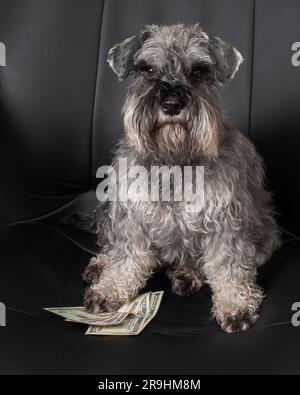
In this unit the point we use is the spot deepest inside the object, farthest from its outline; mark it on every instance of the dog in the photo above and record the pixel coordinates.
(172, 117)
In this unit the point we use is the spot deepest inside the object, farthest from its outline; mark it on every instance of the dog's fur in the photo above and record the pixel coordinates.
(235, 232)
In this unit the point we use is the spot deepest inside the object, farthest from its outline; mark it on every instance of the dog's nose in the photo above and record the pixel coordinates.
(172, 105)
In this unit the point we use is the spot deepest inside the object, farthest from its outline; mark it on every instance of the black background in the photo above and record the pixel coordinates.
(60, 116)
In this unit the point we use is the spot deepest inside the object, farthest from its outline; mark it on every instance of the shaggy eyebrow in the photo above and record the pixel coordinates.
(201, 57)
(201, 64)
(141, 63)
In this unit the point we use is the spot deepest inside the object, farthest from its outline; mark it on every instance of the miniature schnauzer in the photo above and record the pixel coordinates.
(172, 117)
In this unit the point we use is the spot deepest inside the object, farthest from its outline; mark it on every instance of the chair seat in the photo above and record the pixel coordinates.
(41, 266)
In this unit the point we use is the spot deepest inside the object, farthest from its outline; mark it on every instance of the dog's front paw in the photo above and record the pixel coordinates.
(238, 322)
(185, 283)
(92, 272)
(97, 302)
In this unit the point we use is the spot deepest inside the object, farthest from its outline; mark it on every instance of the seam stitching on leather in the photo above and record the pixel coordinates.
(252, 70)
(95, 94)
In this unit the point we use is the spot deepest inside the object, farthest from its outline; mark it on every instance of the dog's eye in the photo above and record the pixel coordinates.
(200, 71)
(146, 69)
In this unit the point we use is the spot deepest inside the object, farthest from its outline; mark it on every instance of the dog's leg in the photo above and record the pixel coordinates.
(123, 274)
(185, 280)
(93, 271)
(230, 269)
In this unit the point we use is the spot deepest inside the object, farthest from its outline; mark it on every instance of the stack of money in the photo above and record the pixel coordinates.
(130, 319)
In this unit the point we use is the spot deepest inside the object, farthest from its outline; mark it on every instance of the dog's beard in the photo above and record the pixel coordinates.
(194, 132)
(171, 138)
(171, 133)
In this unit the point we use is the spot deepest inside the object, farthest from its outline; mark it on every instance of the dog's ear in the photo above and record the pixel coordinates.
(120, 57)
(227, 59)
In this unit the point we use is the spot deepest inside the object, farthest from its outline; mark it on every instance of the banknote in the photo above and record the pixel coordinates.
(155, 302)
(80, 315)
(133, 324)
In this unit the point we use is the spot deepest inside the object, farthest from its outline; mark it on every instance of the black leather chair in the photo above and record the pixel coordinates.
(60, 116)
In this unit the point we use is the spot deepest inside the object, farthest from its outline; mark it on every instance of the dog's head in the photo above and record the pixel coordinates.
(171, 106)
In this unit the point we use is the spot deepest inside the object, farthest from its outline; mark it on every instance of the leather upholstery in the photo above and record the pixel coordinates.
(48, 89)
(60, 116)
(275, 119)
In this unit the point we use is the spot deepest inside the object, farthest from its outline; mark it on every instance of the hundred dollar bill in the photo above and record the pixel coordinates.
(80, 315)
(132, 325)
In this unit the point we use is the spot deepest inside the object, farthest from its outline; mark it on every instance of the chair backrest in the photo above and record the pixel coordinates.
(275, 110)
(62, 103)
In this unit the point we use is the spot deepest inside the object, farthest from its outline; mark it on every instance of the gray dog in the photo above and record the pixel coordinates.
(172, 117)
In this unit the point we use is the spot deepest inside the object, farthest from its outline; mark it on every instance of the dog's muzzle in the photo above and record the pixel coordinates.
(172, 98)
